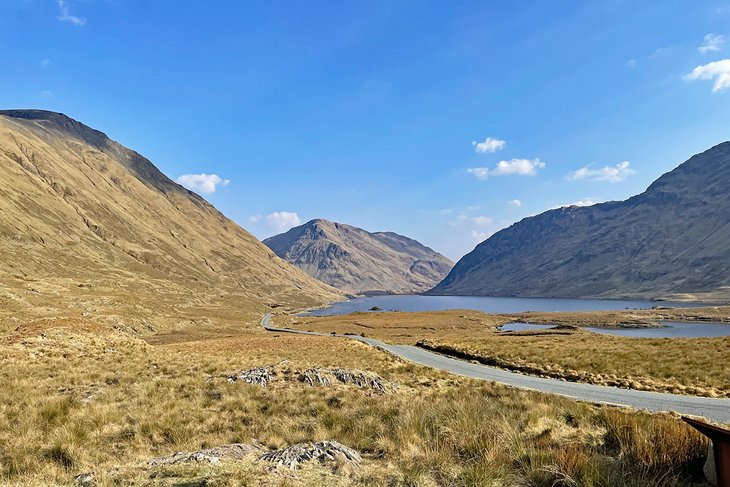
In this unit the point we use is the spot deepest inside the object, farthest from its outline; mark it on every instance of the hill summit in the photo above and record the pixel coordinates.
(352, 259)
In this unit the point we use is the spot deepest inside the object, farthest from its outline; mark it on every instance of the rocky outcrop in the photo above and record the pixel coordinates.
(292, 457)
(313, 377)
(323, 452)
(232, 452)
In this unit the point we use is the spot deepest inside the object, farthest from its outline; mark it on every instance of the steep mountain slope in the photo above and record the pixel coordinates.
(672, 239)
(355, 260)
(78, 210)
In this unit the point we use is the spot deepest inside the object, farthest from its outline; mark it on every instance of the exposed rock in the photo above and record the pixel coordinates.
(323, 452)
(314, 377)
(358, 261)
(85, 480)
(673, 239)
(234, 451)
(261, 376)
(361, 379)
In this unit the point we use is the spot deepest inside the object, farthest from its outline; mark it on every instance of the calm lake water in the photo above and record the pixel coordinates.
(488, 304)
(524, 327)
(671, 329)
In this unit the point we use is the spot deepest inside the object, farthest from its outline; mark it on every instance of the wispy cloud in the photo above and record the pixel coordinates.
(516, 203)
(517, 167)
(65, 16)
(659, 53)
(583, 202)
(719, 71)
(46, 94)
(711, 43)
(278, 221)
(45, 62)
(489, 145)
(631, 63)
(202, 183)
(611, 174)
(479, 227)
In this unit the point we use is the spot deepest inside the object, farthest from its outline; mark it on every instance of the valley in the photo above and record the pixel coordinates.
(130, 332)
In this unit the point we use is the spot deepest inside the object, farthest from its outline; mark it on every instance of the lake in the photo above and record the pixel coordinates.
(671, 329)
(486, 303)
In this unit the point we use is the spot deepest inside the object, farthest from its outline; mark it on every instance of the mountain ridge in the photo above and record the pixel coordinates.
(78, 208)
(358, 261)
(668, 241)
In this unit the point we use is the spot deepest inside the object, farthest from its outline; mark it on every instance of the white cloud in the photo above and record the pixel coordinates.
(516, 203)
(65, 16)
(489, 145)
(583, 202)
(281, 221)
(518, 167)
(719, 71)
(480, 236)
(202, 183)
(479, 227)
(711, 42)
(611, 174)
(631, 63)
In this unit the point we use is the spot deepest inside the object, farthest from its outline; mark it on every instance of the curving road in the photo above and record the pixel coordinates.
(710, 408)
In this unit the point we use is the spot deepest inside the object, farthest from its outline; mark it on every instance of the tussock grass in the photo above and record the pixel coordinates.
(104, 402)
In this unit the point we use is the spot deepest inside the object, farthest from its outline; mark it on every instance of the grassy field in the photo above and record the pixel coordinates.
(79, 396)
(684, 366)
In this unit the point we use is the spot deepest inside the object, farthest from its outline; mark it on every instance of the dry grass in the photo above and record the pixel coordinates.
(80, 397)
(685, 366)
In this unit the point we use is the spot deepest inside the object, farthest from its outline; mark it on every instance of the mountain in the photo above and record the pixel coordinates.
(352, 259)
(85, 220)
(673, 239)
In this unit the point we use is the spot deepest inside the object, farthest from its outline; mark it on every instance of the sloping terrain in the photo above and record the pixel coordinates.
(88, 227)
(354, 260)
(671, 240)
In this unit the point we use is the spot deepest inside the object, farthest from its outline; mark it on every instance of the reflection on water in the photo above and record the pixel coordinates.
(485, 303)
(672, 329)
(523, 327)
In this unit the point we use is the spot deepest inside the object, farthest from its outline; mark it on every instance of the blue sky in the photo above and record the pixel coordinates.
(443, 121)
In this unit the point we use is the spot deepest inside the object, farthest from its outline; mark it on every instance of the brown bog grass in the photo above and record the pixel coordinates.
(683, 366)
(78, 397)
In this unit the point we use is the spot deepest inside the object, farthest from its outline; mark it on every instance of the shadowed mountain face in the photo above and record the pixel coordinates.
(354, 260)
(673, 239)
(79, 210)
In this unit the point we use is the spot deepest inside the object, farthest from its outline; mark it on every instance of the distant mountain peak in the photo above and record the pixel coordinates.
(355, 260)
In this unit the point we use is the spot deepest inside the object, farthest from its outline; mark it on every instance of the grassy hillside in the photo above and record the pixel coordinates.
(88, 227)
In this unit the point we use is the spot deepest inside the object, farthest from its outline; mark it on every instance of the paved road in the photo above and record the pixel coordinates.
(712, 409)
